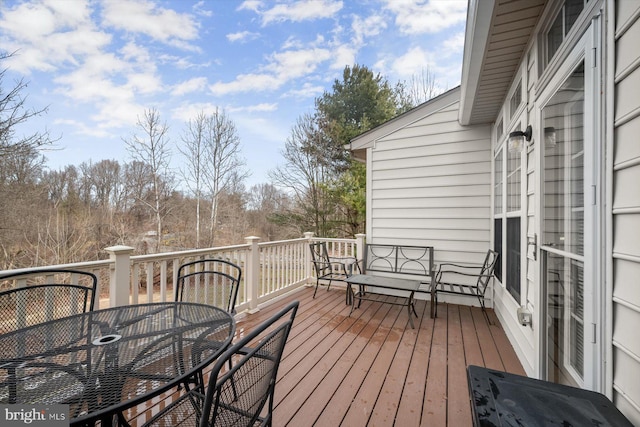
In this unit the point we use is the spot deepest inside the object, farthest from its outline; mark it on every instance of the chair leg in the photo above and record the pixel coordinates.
(434, 304)
(316, 289)
(484, 310)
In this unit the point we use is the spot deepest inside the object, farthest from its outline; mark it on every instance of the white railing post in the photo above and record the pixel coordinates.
(360, 238)
(119, 282)
(309, 236)
(252, 277)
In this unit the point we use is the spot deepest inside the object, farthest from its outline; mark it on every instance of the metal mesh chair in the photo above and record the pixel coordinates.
(209, 281)
(240, 393)
(330, 268)
(38, 296)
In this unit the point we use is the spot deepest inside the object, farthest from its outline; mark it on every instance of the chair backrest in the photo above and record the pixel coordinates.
(209, 281)
(320, 258)
(487, 270)
(238, 396)
(38, 296)
(399, 259)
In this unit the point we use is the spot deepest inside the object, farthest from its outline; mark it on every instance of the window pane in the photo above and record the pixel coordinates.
(516, 99)
(513, 257)
(498, 183)
(554, 37)
(497, 246)
(572, 9)
(514, 190)
(564, 167)
(565, 311)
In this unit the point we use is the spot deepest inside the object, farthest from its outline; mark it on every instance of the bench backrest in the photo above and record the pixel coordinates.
(399, 259)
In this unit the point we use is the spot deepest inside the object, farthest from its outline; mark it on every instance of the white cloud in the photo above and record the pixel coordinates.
(48, 35)
(199, 9)
(190, 110)
(427, 16)
(308, 90)
(282, 67)
(455, 43)
(342, 56)
(305, 10)
(412, 62)
(296, 63)
(253, 5)
(195, 84)
(247, 83)
(141, 16)
(82, 128)
(368, 27)
(242, 36)
(264, 107)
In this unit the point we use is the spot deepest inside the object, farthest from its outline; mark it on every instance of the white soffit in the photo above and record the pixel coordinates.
(498, 31)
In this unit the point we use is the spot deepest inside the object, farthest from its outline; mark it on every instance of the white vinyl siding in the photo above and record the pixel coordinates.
(431, 185)
(626, 212)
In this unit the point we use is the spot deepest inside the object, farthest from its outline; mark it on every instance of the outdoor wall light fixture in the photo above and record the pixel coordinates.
(550, 137)
(517, 139)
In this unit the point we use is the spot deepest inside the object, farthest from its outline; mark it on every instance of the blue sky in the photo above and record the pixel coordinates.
(97, 65)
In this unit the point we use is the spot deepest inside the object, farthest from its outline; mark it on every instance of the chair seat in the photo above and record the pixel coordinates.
(456, 288)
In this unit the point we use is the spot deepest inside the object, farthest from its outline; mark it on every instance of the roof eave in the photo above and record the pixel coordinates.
(475, 46)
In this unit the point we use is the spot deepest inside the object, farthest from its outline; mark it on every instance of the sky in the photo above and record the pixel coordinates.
(97, 65)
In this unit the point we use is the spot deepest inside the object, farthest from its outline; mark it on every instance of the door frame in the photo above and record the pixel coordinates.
(587, 49)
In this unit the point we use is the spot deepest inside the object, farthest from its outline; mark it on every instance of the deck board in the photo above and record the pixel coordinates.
(370, 368)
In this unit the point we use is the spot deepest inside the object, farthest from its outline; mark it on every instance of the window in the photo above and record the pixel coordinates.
(516, 100)
(513, 257)
(500, 130)
(497, 246)
(498, 211)
(514, 191)
(562, 24)
(507, 209)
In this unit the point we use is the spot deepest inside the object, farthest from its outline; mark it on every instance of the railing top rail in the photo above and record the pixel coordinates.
(190, 252)
(72, 266)
(282, 242)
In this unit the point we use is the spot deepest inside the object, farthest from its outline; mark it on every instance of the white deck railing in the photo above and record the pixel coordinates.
(269, 270)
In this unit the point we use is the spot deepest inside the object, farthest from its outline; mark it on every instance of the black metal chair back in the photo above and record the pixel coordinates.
(320, 258)
(238, 397)
(38, 296)
(241, 383)
(487, 270)
(209, 281)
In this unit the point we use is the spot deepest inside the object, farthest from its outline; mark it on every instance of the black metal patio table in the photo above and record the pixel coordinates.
(103, 362)
(384, 282)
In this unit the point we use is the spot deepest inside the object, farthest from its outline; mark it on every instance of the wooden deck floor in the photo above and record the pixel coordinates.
(372, 369)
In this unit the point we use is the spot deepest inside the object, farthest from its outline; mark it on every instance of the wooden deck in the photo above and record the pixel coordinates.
(372, 369)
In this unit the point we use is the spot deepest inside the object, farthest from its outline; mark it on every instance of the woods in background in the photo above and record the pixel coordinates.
(72, 214)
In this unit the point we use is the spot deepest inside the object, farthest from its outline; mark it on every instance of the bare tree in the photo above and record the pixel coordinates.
(305, 176)
(13, 112)
(153, 150)
(195, 152)
(419, 89)
(212, 149)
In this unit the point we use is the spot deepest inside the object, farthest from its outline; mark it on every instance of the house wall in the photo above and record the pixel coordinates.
(430, 184)
(626, 211)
